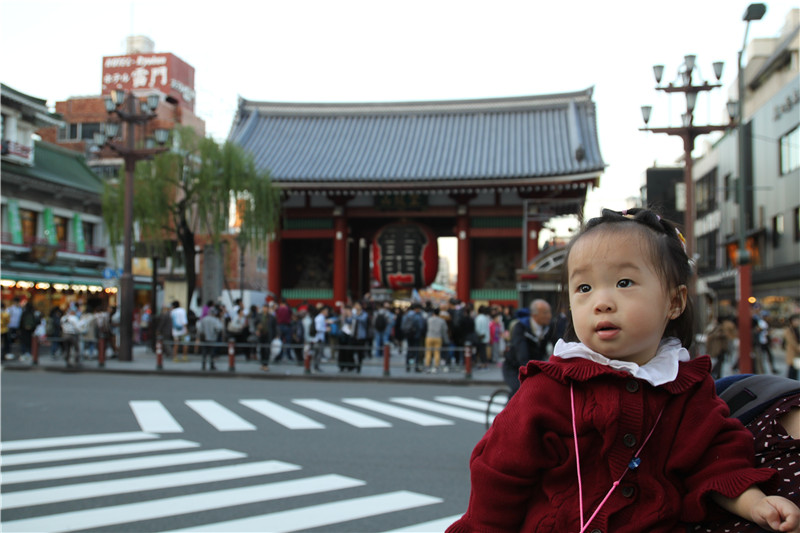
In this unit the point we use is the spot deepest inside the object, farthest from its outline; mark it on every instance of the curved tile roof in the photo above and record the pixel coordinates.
(498, 139)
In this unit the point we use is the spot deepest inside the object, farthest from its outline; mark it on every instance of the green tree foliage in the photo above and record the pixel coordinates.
(191, 191)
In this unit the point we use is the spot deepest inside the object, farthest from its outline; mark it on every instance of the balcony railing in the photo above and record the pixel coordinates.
(66, 247)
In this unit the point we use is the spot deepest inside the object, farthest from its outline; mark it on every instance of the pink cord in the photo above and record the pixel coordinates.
(585, 526)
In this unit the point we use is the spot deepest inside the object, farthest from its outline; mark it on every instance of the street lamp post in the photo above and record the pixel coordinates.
(743, 279)
(124, 106)
(688, 131)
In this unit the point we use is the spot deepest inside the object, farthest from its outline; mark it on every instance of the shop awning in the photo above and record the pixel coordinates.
(47, 277)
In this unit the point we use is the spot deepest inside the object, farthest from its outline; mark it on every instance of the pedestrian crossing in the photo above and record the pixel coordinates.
(309, 413)
(67, 498)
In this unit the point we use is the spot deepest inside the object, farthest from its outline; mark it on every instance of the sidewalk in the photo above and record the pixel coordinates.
(145, 363)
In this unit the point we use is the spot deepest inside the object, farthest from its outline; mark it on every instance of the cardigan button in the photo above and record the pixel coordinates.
(629, 440)
(597, 531)
(632, 385)
(628, 491)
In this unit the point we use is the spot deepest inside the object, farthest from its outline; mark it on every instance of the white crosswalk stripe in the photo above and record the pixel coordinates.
(95, 451)
(457, 412)
(134, 464)
(79, 506)
(153, 417)
(220, 417)
(281, 415)
(408, 415)
(309, 413)
(349, 416)
(324, 514)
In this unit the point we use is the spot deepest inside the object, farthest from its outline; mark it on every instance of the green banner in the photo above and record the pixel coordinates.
(49, 226)
(77, 231)
(14, 222)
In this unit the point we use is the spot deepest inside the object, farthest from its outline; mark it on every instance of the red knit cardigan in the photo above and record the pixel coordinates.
(524, 475)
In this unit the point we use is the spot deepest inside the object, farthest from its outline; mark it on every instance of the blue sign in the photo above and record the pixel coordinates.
(110, 273)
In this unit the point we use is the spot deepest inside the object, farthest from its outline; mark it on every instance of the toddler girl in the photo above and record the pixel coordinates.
(620, 431)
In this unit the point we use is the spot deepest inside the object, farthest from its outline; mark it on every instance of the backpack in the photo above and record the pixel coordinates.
(380, 322)
(411, 326)
(312, 328)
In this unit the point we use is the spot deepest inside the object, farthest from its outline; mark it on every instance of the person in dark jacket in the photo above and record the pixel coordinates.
(531, 339)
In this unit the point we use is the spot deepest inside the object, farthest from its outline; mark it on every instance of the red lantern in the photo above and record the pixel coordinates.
(405, 255)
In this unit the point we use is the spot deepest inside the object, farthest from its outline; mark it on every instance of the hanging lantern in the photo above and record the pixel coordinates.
(405, 256)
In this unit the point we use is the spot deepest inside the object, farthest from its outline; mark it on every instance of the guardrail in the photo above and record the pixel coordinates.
(231, 348)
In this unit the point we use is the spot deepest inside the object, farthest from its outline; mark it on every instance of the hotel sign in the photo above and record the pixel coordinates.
(164, 72)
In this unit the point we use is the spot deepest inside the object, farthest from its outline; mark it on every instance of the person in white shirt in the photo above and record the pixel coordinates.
(180, 331)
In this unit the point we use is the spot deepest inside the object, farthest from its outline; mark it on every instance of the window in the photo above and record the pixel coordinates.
(60, 224)
(777, 229)
(88, 130)
(790, 151)
(706, 193)
(28, 220)
(728, 184)
(796, 218)
(707, 252)
(88, 234)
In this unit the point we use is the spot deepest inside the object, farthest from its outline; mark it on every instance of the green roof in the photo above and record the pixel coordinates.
(59, 166)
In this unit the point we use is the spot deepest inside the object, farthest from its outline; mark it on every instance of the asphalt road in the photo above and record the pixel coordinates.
(234, 454)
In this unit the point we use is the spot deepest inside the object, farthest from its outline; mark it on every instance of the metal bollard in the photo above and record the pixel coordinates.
(101, 352)
(35, 350)
(306, 359)
(386, 354)
(468, 362)
(231, 357)
(159, 355)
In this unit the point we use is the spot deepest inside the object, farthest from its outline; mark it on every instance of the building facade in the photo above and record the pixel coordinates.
(771, 173)
(140, 71)
(53, 238)
(487, 172)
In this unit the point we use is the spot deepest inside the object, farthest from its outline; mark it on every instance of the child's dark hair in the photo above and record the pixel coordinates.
(668, 256)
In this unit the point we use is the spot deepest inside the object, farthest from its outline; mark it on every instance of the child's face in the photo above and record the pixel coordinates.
(620, 307)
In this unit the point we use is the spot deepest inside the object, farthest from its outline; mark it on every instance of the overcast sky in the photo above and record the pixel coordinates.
(353, 50)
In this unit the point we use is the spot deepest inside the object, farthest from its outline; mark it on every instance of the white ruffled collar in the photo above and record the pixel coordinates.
(661, 369)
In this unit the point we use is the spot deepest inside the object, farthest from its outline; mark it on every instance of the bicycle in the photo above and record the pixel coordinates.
(496, 402)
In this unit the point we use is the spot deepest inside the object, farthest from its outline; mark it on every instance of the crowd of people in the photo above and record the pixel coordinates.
(429, 338)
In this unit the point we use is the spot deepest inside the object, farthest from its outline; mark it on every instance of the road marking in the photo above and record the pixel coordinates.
(457, 412)
(478, 405)
(324, 514)
(94, 451)
(153, 417)
(220, 417)
(427, 527)
(54, 442)
(178, 505)
(281, 415)
(398, 412)
(118, 465)
(354, 418)
(79, 491)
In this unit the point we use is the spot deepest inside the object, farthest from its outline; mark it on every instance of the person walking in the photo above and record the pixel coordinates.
(266, 329)
(209, 329)
(413, 327)
(482, 335)
(531, 340)
(71, 330)
(382, 325)
(27, 323)
(317, 335)
(435, 337)
(180, 331)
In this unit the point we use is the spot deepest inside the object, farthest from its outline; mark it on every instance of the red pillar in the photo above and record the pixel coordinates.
(533, 227)
(340, 260)
(274, 267)
(464, 271)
